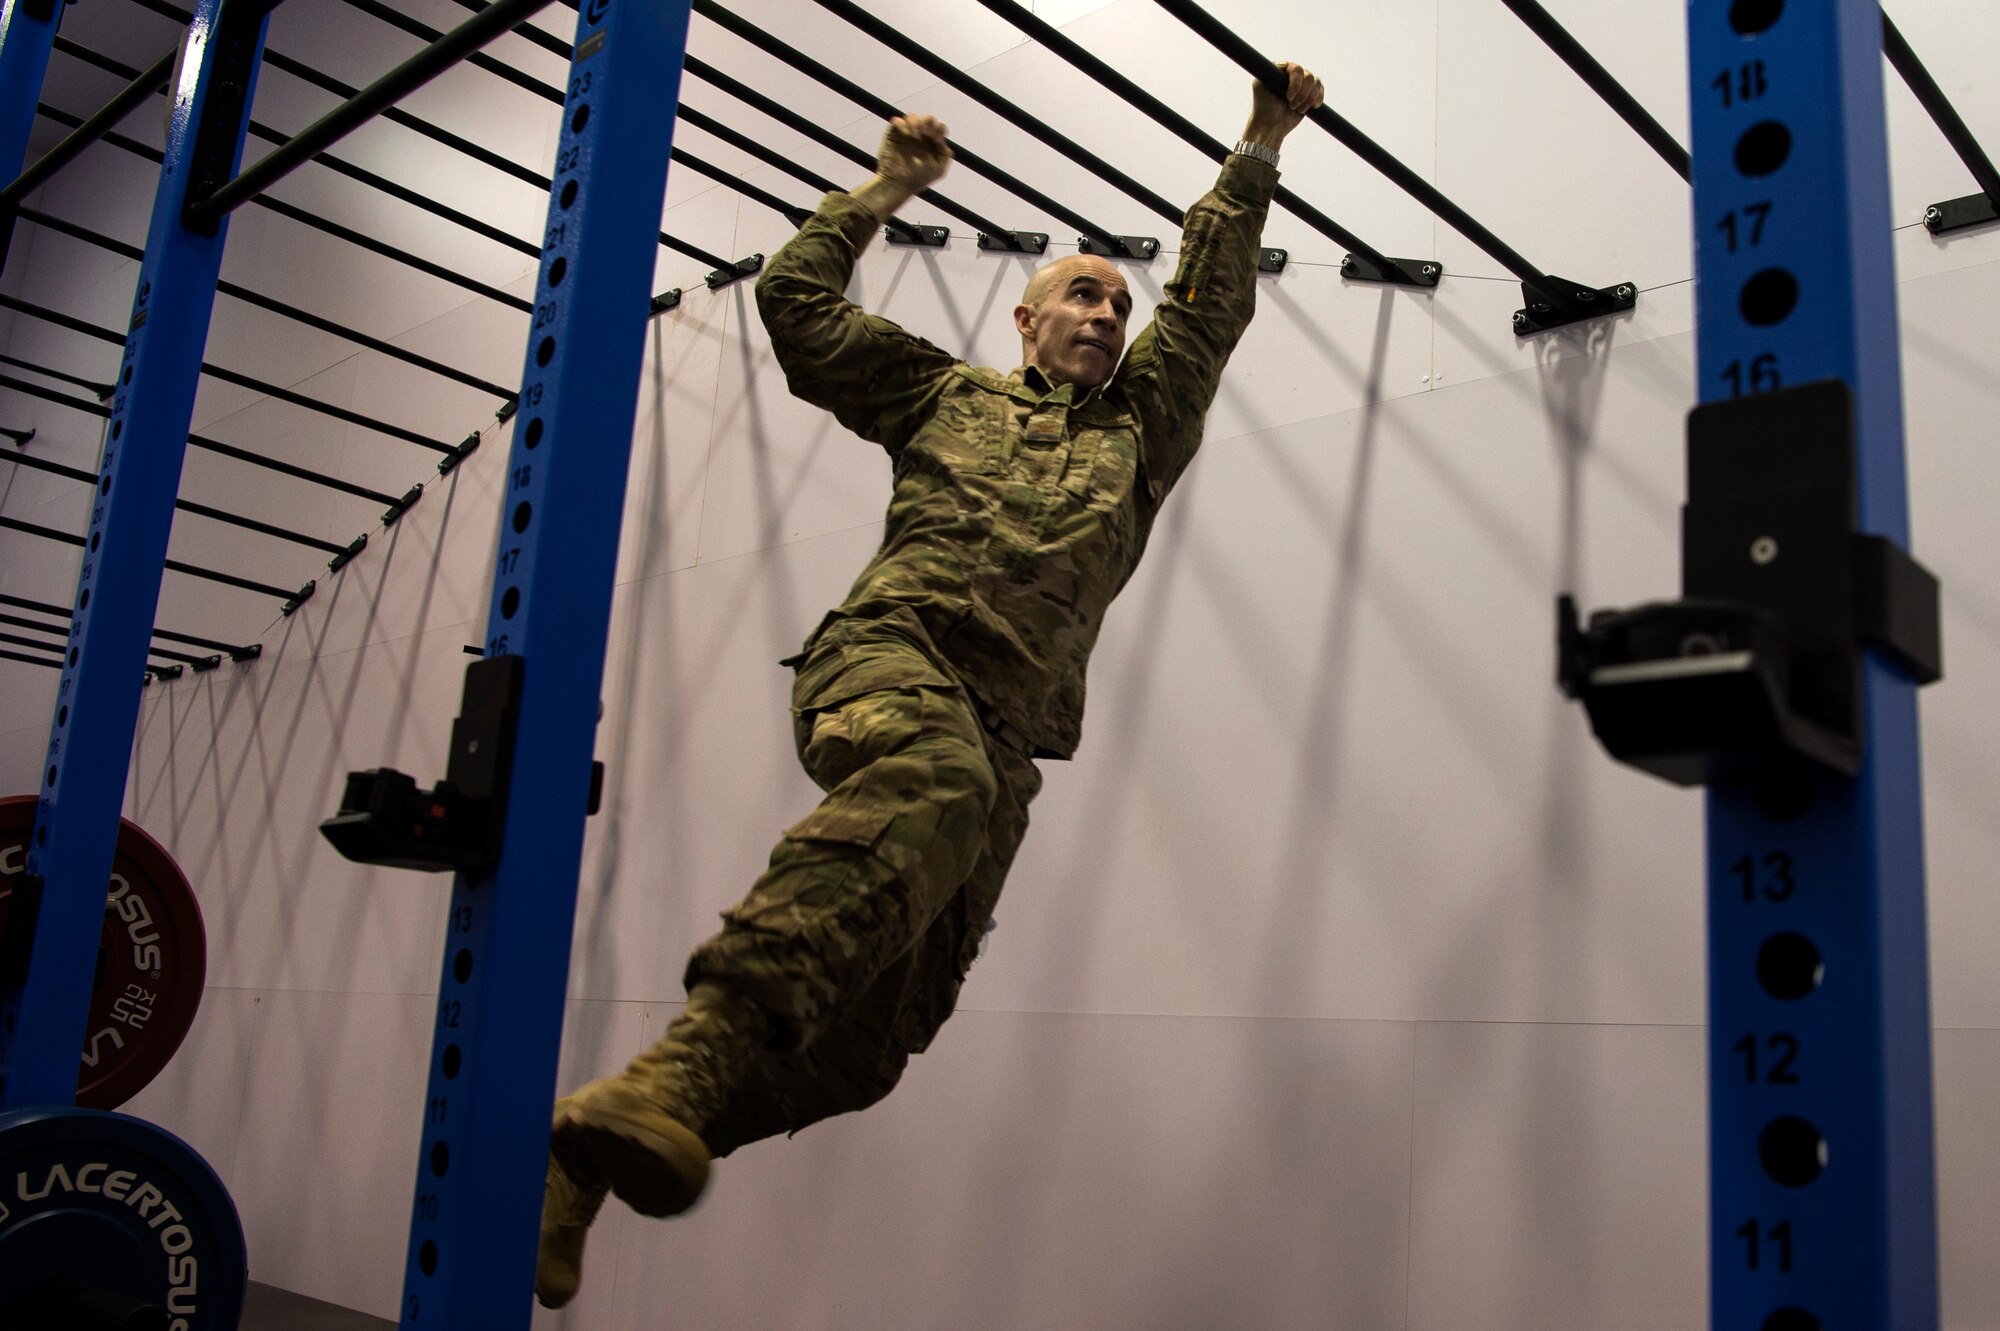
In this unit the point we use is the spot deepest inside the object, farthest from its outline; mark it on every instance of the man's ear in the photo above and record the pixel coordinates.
(1024, 320)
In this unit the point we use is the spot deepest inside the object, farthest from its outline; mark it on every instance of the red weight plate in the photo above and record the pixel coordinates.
(149, 969)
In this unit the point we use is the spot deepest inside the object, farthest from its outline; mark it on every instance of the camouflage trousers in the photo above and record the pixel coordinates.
(855, 940)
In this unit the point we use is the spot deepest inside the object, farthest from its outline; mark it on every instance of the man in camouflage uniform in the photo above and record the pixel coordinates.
(1022, 504)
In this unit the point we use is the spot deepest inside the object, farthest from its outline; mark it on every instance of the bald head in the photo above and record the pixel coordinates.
(1072, 320)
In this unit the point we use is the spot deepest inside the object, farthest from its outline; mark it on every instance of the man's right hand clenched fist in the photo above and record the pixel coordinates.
(914, 152)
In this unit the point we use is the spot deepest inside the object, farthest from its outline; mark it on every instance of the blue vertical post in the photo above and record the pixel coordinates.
(97, 699)
(506, 961)
(27, 35)
(1821, 1176)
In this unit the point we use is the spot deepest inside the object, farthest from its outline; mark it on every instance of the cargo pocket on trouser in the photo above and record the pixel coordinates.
(857, 881)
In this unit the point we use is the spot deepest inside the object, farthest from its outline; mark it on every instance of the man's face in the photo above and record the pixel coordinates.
(1072, 320)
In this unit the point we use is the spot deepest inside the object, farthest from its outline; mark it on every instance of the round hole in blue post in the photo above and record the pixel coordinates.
(117, 428)
(440, 1158)
(568, 195)
(546, 352)
(1789, 967)
(128, 374)
(534, 434)
(461, 965)
(73, 654)
(452, 1059)
(1750, 17)
(523, 514)
(427, 1257)
(580, 119)
(104, 484)
(558, 271)
(62, 715)
(1791, 1319)
(96, 539)
(52, 776)
(1769, 298)
(1792, 1150)
(510, 602)
(83, 602)
(1764, 147)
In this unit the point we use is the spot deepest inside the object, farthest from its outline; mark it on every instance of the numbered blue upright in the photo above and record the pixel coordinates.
(506, 962)
(1821, 1183)
(97, 698)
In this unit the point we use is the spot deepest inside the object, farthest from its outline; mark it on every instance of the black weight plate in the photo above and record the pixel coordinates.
(117, 1205)
(150, 967)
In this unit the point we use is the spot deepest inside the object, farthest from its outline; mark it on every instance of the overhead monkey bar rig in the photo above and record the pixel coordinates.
(1549, 301)
(1785, 681)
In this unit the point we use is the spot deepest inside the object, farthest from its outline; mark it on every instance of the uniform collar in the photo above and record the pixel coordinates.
(1065, 394)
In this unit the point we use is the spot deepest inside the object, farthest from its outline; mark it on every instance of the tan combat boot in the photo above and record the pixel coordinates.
(568, 1207)
(639, 1132)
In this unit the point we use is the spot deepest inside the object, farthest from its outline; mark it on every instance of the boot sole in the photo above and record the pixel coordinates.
(657, 1174)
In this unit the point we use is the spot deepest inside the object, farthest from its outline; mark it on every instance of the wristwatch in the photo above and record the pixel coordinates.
(1258, 151)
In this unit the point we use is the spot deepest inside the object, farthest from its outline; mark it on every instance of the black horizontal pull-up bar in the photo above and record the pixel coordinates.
(724, 270)
(178, 566)
(303, 217)
(1543, 25)
(855, 93)
(336, 124)
(790, 211)
(1050, 36)
(67, 228)
(784, 115)
(103, 390)
(241, 380)
(792, 120)
(240, 652)
(917, 54)
(142, 86)
(209, 445)
(1959, 212)
(1569, 298)
(770, 157)
(184, 505)
(395, 115)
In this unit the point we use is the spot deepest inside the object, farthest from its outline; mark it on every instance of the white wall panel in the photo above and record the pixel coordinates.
(1004, 1185)
(1556, 1178)
(332, 1118)
(1968, 1082)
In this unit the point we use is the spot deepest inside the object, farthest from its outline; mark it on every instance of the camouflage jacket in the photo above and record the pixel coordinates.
(1018, 511)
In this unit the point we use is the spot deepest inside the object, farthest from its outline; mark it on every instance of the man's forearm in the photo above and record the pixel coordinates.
(882, 196)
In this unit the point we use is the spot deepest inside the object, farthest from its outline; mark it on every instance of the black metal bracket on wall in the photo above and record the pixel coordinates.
(1581, 303)
(1015, 242)
(1405, 272)
(736, 272)
(924, 237)
(1140, 248)
(1941, 219)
